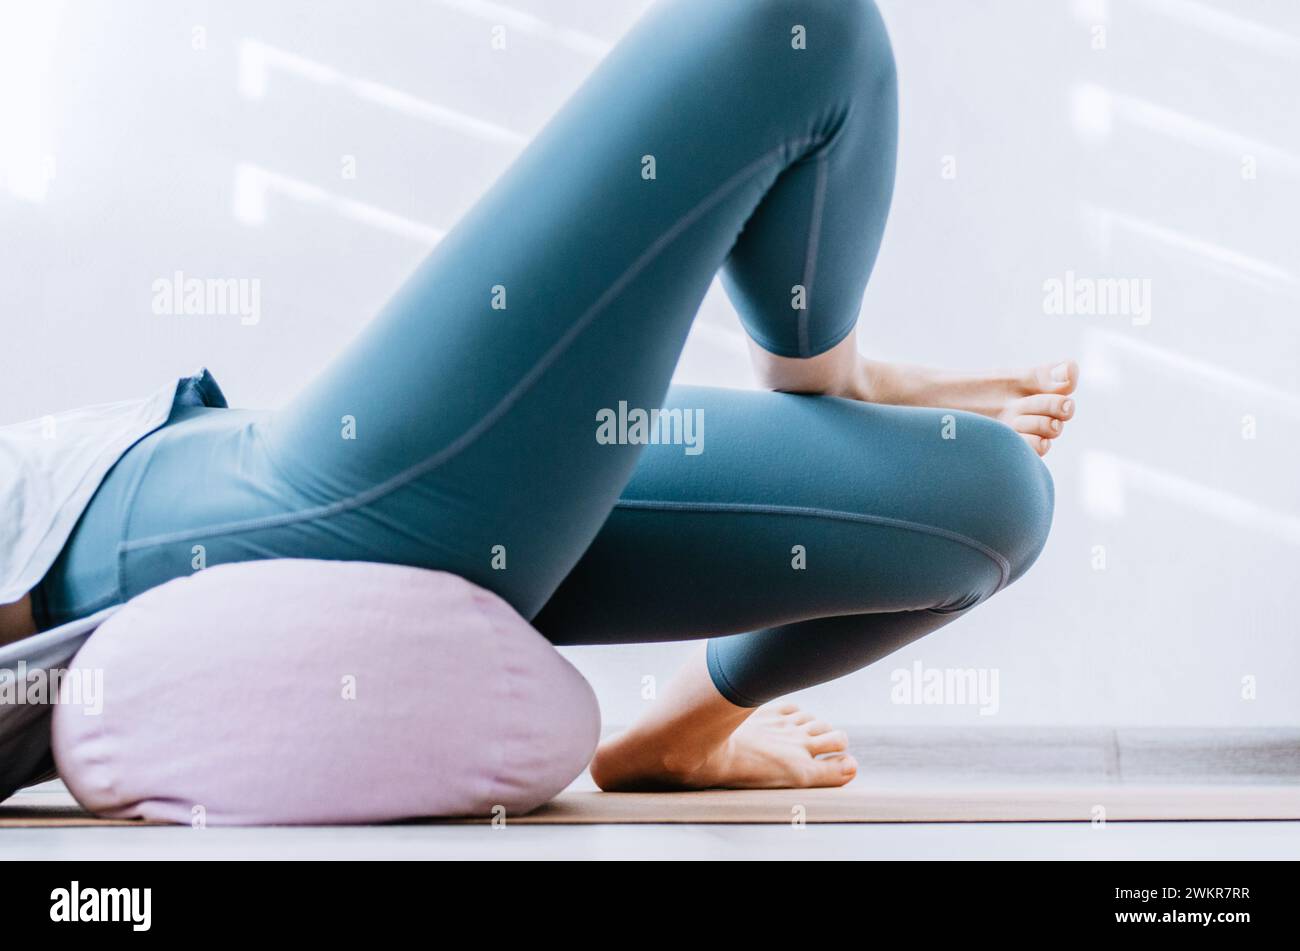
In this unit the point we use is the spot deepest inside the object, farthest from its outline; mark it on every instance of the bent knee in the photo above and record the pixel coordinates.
(1006, 490)
(855, 30)
(840, 46)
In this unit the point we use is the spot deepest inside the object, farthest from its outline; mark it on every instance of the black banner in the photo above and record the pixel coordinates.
(977, 901)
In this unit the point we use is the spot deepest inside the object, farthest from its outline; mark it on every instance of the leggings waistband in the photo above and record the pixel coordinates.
(40, 607)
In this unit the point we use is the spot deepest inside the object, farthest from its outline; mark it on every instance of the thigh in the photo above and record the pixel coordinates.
(806, 507)
(203, 491)
(462, 429)
(167, 509)
(569, 288)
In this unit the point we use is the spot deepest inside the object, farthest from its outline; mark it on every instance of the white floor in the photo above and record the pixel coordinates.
(1145, 840)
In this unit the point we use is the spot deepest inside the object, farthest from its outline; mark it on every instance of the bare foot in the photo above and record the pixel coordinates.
(1033, 402)
(777, 746)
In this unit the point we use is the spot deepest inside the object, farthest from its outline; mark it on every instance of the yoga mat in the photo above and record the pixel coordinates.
(856, 803)
(863, 803)
(941, 774)
(53, 810)
(54, 807)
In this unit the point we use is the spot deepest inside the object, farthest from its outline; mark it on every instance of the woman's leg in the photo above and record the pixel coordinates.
(755, 134)
(833, 532)
(460, 430)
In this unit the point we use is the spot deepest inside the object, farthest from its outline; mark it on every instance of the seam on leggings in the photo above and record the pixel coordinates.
(392, 483)
(128, 509)
(998, 559)
(810, 260)
(117, 596)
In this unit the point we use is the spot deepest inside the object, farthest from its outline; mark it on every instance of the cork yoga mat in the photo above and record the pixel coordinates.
(910, 774)
(857, 803)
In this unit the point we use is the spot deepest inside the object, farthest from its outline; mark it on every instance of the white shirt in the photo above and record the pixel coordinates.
(50, 468)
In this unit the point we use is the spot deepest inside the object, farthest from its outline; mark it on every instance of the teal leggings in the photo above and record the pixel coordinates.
(489, 421)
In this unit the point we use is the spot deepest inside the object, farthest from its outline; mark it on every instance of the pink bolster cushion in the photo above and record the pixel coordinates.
(294, 691)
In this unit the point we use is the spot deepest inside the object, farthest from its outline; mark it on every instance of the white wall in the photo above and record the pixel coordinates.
(126, 153)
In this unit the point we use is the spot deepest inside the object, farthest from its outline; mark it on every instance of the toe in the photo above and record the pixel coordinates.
(1042, 404)
(1037, 443)
(800, 717)
(1058, 377)
(836, 741)
(832, 771)
(817, 727)
(1046, 426)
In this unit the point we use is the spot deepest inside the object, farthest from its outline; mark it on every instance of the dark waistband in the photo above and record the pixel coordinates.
(40, 607)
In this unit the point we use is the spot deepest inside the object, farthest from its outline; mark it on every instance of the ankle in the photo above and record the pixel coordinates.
(628, 760)
(879, 382)
(684, 763)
